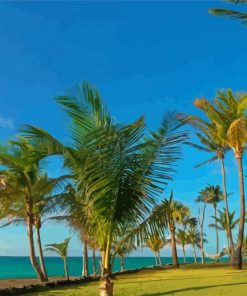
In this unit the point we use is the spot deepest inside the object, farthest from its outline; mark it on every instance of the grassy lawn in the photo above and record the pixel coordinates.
(208, 281)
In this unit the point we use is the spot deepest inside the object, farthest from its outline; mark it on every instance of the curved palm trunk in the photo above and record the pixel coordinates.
(66, 272)
(155, 257)
(33, 259)
(229, 231)
(194, 251)
(237, 260)
(106, 281)
(41, 256)
(174, 246)
(122, 263)
(85, 257)
(184, 254)
(159, 259)
(216, 231)
(94, 264)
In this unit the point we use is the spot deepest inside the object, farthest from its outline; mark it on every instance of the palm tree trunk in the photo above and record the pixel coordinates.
(122, 263)
(184, 254)
(237, 260)
(159, 259)
(85, 257)
(201, 223)
(33, 259)
(106, 282)
(41, 256)
(228, 246)
(194, 251)
(217, 231)
(174, 247)
(229, 231)
(156, 260)
(94, 263)
(65, 268)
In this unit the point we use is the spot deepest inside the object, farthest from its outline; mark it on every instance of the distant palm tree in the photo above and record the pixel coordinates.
(62, 250)
(194, 239)
(242, 16)
(212, 195)
(121, 250)
(222, 224)
(183, 239)
(155, 243)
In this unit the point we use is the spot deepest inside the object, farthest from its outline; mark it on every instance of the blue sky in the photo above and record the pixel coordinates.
(145, 58)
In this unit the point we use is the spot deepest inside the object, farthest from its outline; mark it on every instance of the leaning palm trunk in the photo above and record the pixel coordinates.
(65, 268)
(159, 259)
(41, 256)
(33, 259)
(122, 263)
(194, 251)
(229, 231)
(216, 231)
(174, 247)
(85, 257)
(184, 253)
(237, 260)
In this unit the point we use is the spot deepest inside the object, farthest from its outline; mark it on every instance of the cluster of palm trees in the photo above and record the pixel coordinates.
(116, 174)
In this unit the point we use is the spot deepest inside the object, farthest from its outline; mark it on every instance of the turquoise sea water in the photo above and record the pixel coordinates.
(20, 267)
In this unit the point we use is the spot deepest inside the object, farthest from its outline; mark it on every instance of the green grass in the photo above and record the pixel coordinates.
(186, 281)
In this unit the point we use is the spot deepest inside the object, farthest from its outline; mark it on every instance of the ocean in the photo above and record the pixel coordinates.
(20, 267)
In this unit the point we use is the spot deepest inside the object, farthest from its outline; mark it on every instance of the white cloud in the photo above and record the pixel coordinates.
(6, 122)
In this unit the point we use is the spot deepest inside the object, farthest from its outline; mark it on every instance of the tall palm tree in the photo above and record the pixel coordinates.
(21, 162)
(182, 238)
(62, 250)
(222, 224)
(155, 243)
(44, 201)
(211, 140)
(212, 195)
(240, 15)
(194, 239)
(176, 213)
(120, 170)
(229, 113)
(244, 250)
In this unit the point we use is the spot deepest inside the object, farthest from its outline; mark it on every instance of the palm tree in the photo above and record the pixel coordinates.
(211, 140)
(122, 249)
(44, 202)
(155, 243)
(222, 224)
(229, 114)
(21, 162)
(120, 170)
(212, 195)
(182, 238)
(242, 16)
(176, 213)
(194, 239)
(62, 250)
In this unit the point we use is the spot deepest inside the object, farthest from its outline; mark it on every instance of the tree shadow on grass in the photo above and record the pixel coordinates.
(173, 292)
